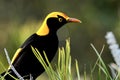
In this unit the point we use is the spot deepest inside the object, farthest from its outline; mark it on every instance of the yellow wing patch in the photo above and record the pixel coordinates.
(16, 55)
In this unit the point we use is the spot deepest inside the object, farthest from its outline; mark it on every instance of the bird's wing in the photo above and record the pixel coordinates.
(25, 44)
(16, 55)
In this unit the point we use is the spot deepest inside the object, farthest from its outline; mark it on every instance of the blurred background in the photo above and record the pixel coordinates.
(20, 18)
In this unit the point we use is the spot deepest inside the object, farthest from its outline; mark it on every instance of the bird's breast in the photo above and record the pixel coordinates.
(49, 44)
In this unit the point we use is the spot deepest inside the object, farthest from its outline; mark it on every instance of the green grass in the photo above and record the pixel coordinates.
(102, 66)
(63, 67)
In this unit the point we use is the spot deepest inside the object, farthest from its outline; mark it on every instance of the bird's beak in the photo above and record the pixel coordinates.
(74, 20)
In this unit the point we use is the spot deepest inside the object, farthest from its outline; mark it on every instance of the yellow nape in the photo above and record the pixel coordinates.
(44, 30)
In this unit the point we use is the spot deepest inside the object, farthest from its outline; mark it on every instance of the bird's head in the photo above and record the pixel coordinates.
(54, 21)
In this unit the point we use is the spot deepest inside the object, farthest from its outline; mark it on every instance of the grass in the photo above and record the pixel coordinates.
(63, 68)
(102, 66)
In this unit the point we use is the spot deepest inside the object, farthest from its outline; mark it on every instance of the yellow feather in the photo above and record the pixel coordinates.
(16, 54)
(44, 30)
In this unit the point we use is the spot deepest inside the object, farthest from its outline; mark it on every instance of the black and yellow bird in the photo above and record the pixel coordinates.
(45, 39)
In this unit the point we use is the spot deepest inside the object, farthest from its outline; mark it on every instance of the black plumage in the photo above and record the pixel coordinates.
(25, 62)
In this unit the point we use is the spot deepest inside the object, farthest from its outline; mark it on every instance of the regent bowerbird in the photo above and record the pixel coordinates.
(45, 39)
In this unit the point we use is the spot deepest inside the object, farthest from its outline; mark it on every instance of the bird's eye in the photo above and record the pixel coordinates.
(60, 19)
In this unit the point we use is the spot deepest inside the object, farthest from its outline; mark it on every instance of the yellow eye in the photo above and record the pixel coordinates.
(60, 19)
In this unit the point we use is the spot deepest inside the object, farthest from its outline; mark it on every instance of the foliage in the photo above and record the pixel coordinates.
(63, 67)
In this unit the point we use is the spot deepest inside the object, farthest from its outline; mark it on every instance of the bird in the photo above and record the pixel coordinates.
(45, 39)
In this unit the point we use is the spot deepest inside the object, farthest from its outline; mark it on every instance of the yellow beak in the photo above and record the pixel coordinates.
(74, 20)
